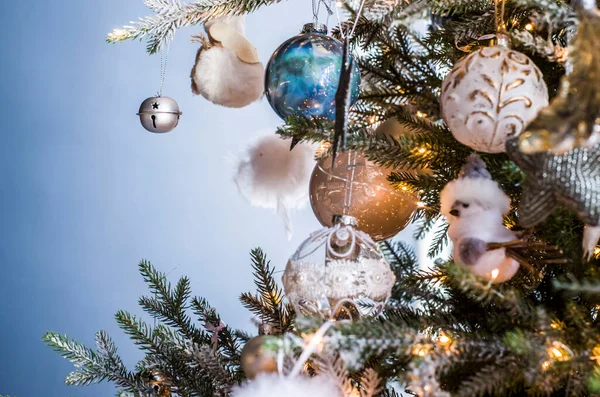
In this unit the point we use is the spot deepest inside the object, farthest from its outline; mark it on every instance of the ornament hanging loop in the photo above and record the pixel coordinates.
(164, 55)
(499, 8)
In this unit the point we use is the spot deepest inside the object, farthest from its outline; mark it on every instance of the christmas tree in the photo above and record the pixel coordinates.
(495, 111)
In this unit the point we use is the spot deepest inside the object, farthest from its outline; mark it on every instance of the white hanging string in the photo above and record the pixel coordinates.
(164, 55)
(360, 9)
(349, 185)
(358, 15)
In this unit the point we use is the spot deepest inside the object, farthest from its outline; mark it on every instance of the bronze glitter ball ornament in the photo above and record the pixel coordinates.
(159, 114)
(256, 359)
(358, 187)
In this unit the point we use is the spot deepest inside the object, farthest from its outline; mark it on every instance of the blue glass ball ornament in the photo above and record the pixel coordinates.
(303, 74)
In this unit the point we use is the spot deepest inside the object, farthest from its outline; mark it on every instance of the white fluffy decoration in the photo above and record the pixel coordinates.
(473, 206)
(269, 175)
(273, 385)
(491, 95)
(236, 22)
(222, 78)
(485, 191)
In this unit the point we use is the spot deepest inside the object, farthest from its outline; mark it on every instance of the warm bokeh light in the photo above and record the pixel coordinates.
(444, 340)
(495, 274)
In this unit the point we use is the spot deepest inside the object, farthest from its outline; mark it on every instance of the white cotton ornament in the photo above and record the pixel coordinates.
(491, 95)
(222, 78)
(228, 71)
(269, 175)
(272, 385)
(238, 23)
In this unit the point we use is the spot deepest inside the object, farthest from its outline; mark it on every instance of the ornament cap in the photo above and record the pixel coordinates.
(503, 40)
(314, 28)
(345, 220)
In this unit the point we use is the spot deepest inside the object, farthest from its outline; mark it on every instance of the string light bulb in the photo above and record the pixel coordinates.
(546, 365)
(444, 340)
(558, 351)
(529, 27)
(495, 274)
(596, 354)
(420, 350)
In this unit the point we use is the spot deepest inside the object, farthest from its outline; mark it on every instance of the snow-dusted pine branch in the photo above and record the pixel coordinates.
(170, 15)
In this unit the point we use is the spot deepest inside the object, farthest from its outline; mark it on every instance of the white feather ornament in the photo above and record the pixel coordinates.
(273, 385)
(269, 175)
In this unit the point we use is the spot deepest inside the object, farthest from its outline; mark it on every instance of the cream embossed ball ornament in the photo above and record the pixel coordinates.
(491, 95)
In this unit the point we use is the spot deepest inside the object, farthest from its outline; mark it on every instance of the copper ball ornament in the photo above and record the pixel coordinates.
(256, 359)
(358, 187)
(159, 114)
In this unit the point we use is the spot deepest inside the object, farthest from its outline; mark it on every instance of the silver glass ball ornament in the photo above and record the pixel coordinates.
(159, 114)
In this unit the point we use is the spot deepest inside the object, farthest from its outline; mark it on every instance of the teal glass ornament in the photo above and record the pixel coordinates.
(303, 74)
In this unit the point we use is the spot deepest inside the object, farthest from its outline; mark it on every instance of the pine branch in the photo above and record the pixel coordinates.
(440, 241)
(370, 383)
(268, 305)
(209, 362)
(94, 367)
(332, 366)
(170, 305)
(228, 341)
(170, 15)
(587, 287)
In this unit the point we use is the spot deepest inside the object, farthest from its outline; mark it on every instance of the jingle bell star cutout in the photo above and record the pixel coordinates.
(571, 179)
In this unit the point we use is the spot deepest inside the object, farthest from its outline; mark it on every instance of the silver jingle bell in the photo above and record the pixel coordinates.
(159, 114)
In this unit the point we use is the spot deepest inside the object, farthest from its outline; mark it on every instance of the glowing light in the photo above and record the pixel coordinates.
(555, 325)
(546, 365)
(556, 353)
(529, 26)
(495, 273)
(404, 188)
(444, 339)
(420, 350)
(313, 339)
(322, 149)
(339, 4)
(559, 351)
(420, 204)
(596, 354)
(421, 114)
(422, 150)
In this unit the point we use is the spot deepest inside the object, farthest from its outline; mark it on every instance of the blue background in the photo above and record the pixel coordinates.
(86, 193)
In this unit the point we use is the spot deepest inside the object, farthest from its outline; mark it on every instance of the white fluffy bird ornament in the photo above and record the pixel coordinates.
(228, 71)
(474, 205)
